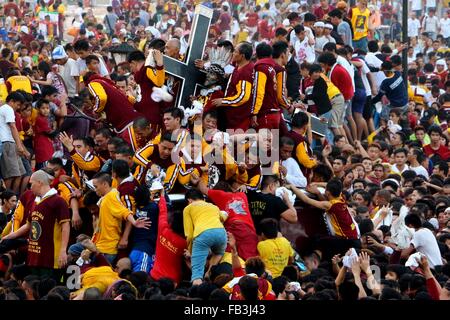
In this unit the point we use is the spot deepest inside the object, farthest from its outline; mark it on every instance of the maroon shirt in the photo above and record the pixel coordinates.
(237, 115)
(45, 233)
(151, 109)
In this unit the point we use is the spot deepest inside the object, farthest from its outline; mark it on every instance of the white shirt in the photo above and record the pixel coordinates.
(397, 170)
(425, 242)
(6, 116)
(430, 24)
(67, 73)
(103, 70)
(304, 51)
(445, 27)
(431, 3)
(364, 72)
(416, 5)
(294, 173)
(373, 61)
(387, 221)
(420, 170)
(413, 27)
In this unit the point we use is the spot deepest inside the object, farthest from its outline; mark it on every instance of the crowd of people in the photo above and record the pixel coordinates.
(309, 166)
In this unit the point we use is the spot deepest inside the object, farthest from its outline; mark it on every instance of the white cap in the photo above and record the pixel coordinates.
(441, 62)
(115, 41)
(24, 29)
(123, 31)
(329, 26)
(155, 32)
(286, 23)
(319, 24)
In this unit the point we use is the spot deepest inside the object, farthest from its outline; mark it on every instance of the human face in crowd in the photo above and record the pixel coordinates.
(411, 200)
(35, 185)
(122, 86)
(338, 166)
(394, 118)
(55, 168)
(446, 191)
(80, 147)
(112, 151)
(340, 143)
(194, 148)
(165, 149)
(125, 157)
(143, 134)
(82, 53)
(94, 66)
(435, 138)
(396, 140)
(374, 153)
(301, 35)
(420, 135)
(101, 142)
(170, 123)
(442, 219)
(286, 151)
(237, 57)
(367, 164)
(360, 171)
(172, 49)
(16, 105)
(315, 76)
(11, 202)
(44, 110)
(209, 123)
(348, 179)
(101, 188)
(358, 198)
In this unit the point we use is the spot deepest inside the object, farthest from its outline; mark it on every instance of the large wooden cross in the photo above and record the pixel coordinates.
(191, 77)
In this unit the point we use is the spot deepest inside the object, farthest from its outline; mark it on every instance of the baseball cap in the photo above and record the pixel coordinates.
(319, 24)
(59, 53)
(24, 29)
(328, 26)
(428, 114)
(441, 62)
(155, 32)
(115, 41)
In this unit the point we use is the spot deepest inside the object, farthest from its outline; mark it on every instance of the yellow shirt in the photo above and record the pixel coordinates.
(360, 23)
(241, 36)
(200, 216)
(112, 212)
(275, 253)
(332, 90)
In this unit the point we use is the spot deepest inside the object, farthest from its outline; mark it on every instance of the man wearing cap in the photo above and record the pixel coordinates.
(25, 36)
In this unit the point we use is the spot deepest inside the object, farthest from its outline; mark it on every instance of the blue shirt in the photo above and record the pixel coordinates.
(395, 90)
(145, 239)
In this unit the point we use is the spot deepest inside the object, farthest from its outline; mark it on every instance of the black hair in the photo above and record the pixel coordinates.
(81, 45)
(157, 44)
(299, 120)
(175, 112)
(116, 142)
(334, 187)
(41, 102)
(194, 194)
(348, 291)
(442, 166)
(249, 288)
(168, 137)
(212, 113)
(314, 68)
(390, 294)
(125, 150)
(435, 129)
(335, 13)
(15, 96)
(92, 57)
(330, 47)
(400, 150)
(263, 50)
(323, 171)
(255, 265)
(103, 177)
(414, 220)
(48, 91)
(299, 28)
(90, 198)
(136, 55)
(245, 49)
(121, 168)
(278, 48)
(327, 58)
(269, 179)
(269, 227)
(280, 32)
(288, 141)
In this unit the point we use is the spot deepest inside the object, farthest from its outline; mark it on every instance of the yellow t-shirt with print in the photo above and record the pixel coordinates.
(111, 217)
(275, 253)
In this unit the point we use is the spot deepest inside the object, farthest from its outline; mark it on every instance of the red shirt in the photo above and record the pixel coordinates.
(235, 204)
(319, 12)
(341, 79)
(264, 29)
(18, 119)
(442, 152)
(43, 146)
(169, 249)
(45, 232)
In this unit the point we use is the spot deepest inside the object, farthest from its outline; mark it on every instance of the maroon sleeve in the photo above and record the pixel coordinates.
(433, 289)
(41, 125)
(62, 210)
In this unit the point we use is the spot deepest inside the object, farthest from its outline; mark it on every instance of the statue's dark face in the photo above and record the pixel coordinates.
(211, 79)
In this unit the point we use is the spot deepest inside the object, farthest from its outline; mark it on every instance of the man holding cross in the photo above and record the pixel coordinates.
(147, 77)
